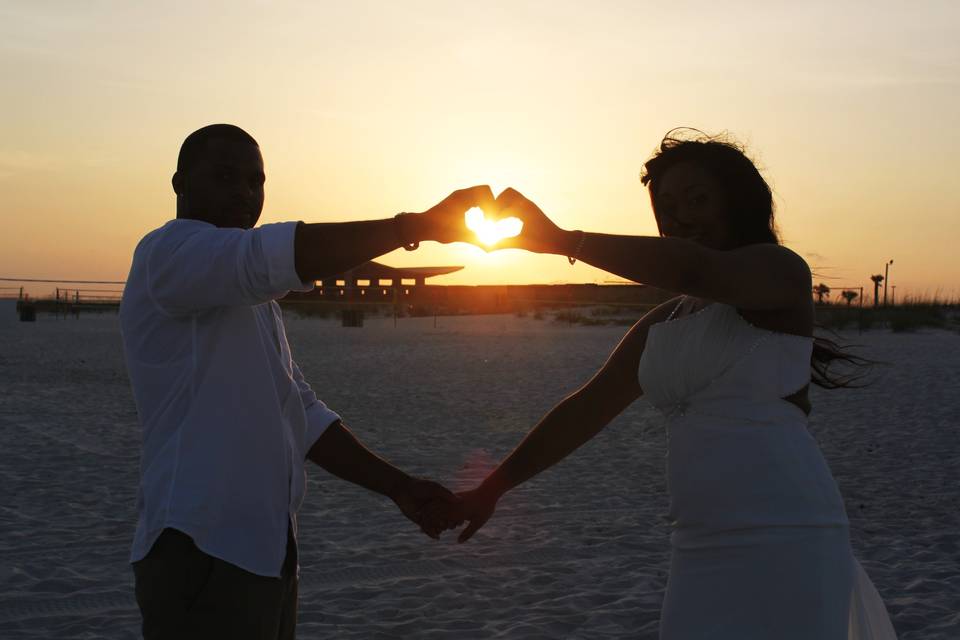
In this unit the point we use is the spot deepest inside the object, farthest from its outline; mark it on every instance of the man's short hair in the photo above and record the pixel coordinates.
(195, 143)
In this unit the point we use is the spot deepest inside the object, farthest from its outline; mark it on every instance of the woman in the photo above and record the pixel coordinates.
(760, 546)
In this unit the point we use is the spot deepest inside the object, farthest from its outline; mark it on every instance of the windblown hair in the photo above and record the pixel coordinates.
(195, 143)
(751, 218)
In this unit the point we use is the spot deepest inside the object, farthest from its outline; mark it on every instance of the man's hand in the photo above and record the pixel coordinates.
(445, 223)
(414, 495)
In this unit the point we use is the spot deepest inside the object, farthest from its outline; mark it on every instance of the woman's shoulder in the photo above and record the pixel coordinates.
(784, 257)
(794, 321)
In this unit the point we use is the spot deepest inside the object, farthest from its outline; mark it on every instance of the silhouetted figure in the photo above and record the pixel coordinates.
(227, 415)
(760, 543)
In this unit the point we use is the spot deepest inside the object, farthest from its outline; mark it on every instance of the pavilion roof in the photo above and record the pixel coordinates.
(372, 270)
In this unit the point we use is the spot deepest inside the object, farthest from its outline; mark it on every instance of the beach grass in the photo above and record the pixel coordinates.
(911, 314)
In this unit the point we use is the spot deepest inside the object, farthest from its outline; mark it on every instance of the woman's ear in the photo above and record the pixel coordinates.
(653, 207)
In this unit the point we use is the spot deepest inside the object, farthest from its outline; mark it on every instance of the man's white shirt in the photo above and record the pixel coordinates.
(226, 416)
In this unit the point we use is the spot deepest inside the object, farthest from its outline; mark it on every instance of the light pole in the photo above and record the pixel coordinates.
(886, 279)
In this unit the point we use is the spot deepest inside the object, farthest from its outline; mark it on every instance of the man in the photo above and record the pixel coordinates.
(227, 416)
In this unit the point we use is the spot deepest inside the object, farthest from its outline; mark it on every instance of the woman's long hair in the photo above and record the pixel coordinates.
(751, 220)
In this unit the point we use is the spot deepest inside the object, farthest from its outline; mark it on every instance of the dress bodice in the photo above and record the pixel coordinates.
(740, 456)
(714, 356)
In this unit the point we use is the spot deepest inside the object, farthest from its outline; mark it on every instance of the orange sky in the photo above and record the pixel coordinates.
(364, 109)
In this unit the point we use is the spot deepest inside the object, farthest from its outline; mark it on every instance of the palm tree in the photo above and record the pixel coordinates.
(877, 279)
(821, 290)
(849, 296)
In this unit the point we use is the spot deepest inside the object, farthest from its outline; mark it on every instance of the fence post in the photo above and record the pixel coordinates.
(860, 322)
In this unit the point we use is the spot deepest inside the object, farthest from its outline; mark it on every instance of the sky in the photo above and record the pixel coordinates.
(364, 109)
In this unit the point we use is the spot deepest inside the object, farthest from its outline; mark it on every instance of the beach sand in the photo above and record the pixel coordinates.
(579, 552)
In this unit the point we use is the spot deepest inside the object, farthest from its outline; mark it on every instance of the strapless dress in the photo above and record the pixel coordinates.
(760, 541)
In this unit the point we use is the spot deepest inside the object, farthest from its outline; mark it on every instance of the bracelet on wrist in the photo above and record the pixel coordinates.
(573, 257)
(408, 245)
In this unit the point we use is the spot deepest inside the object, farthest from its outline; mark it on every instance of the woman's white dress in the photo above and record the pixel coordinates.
(760, 540)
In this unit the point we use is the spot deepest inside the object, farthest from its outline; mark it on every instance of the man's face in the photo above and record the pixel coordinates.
(224, 185)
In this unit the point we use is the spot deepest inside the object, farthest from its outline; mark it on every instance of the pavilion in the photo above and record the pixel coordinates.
(373, 280)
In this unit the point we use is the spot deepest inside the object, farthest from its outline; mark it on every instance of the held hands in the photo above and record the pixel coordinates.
(475, 507)
(415, 495)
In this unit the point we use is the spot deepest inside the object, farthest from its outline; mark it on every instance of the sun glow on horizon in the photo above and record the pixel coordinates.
(362, 113)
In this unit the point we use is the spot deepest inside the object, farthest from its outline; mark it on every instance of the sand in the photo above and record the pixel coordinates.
(580, 552)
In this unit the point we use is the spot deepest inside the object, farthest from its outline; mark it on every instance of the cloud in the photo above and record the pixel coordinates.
(14, 161)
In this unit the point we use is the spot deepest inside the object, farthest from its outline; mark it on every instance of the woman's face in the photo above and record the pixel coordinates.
(690, 203)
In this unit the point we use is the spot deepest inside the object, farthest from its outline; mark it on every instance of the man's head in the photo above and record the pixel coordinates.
(220, 177)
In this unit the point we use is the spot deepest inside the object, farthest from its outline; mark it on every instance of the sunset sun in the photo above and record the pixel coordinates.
(490, 232)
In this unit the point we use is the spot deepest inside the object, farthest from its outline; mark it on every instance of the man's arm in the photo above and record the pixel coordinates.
(326, 249)
(194, 266)
(340, 452)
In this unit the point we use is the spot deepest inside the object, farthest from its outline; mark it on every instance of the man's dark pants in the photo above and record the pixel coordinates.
(184, 593)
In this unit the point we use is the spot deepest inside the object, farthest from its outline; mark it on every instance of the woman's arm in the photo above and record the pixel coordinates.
(570, 424)
(760, 276)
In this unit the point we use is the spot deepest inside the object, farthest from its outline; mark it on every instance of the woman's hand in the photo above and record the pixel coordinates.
(476, 507)
(539, 233)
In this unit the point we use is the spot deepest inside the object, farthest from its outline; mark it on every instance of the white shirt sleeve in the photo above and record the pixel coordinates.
(319, 416)
(195, 266)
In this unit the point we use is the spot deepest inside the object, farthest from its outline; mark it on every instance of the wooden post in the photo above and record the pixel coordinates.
(886, 280)
(860, 321)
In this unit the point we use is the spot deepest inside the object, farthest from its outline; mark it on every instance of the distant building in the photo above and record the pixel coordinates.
(373, 283)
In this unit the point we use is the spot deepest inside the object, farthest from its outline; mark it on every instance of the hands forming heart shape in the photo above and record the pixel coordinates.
(507, 221)
(490, 232)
